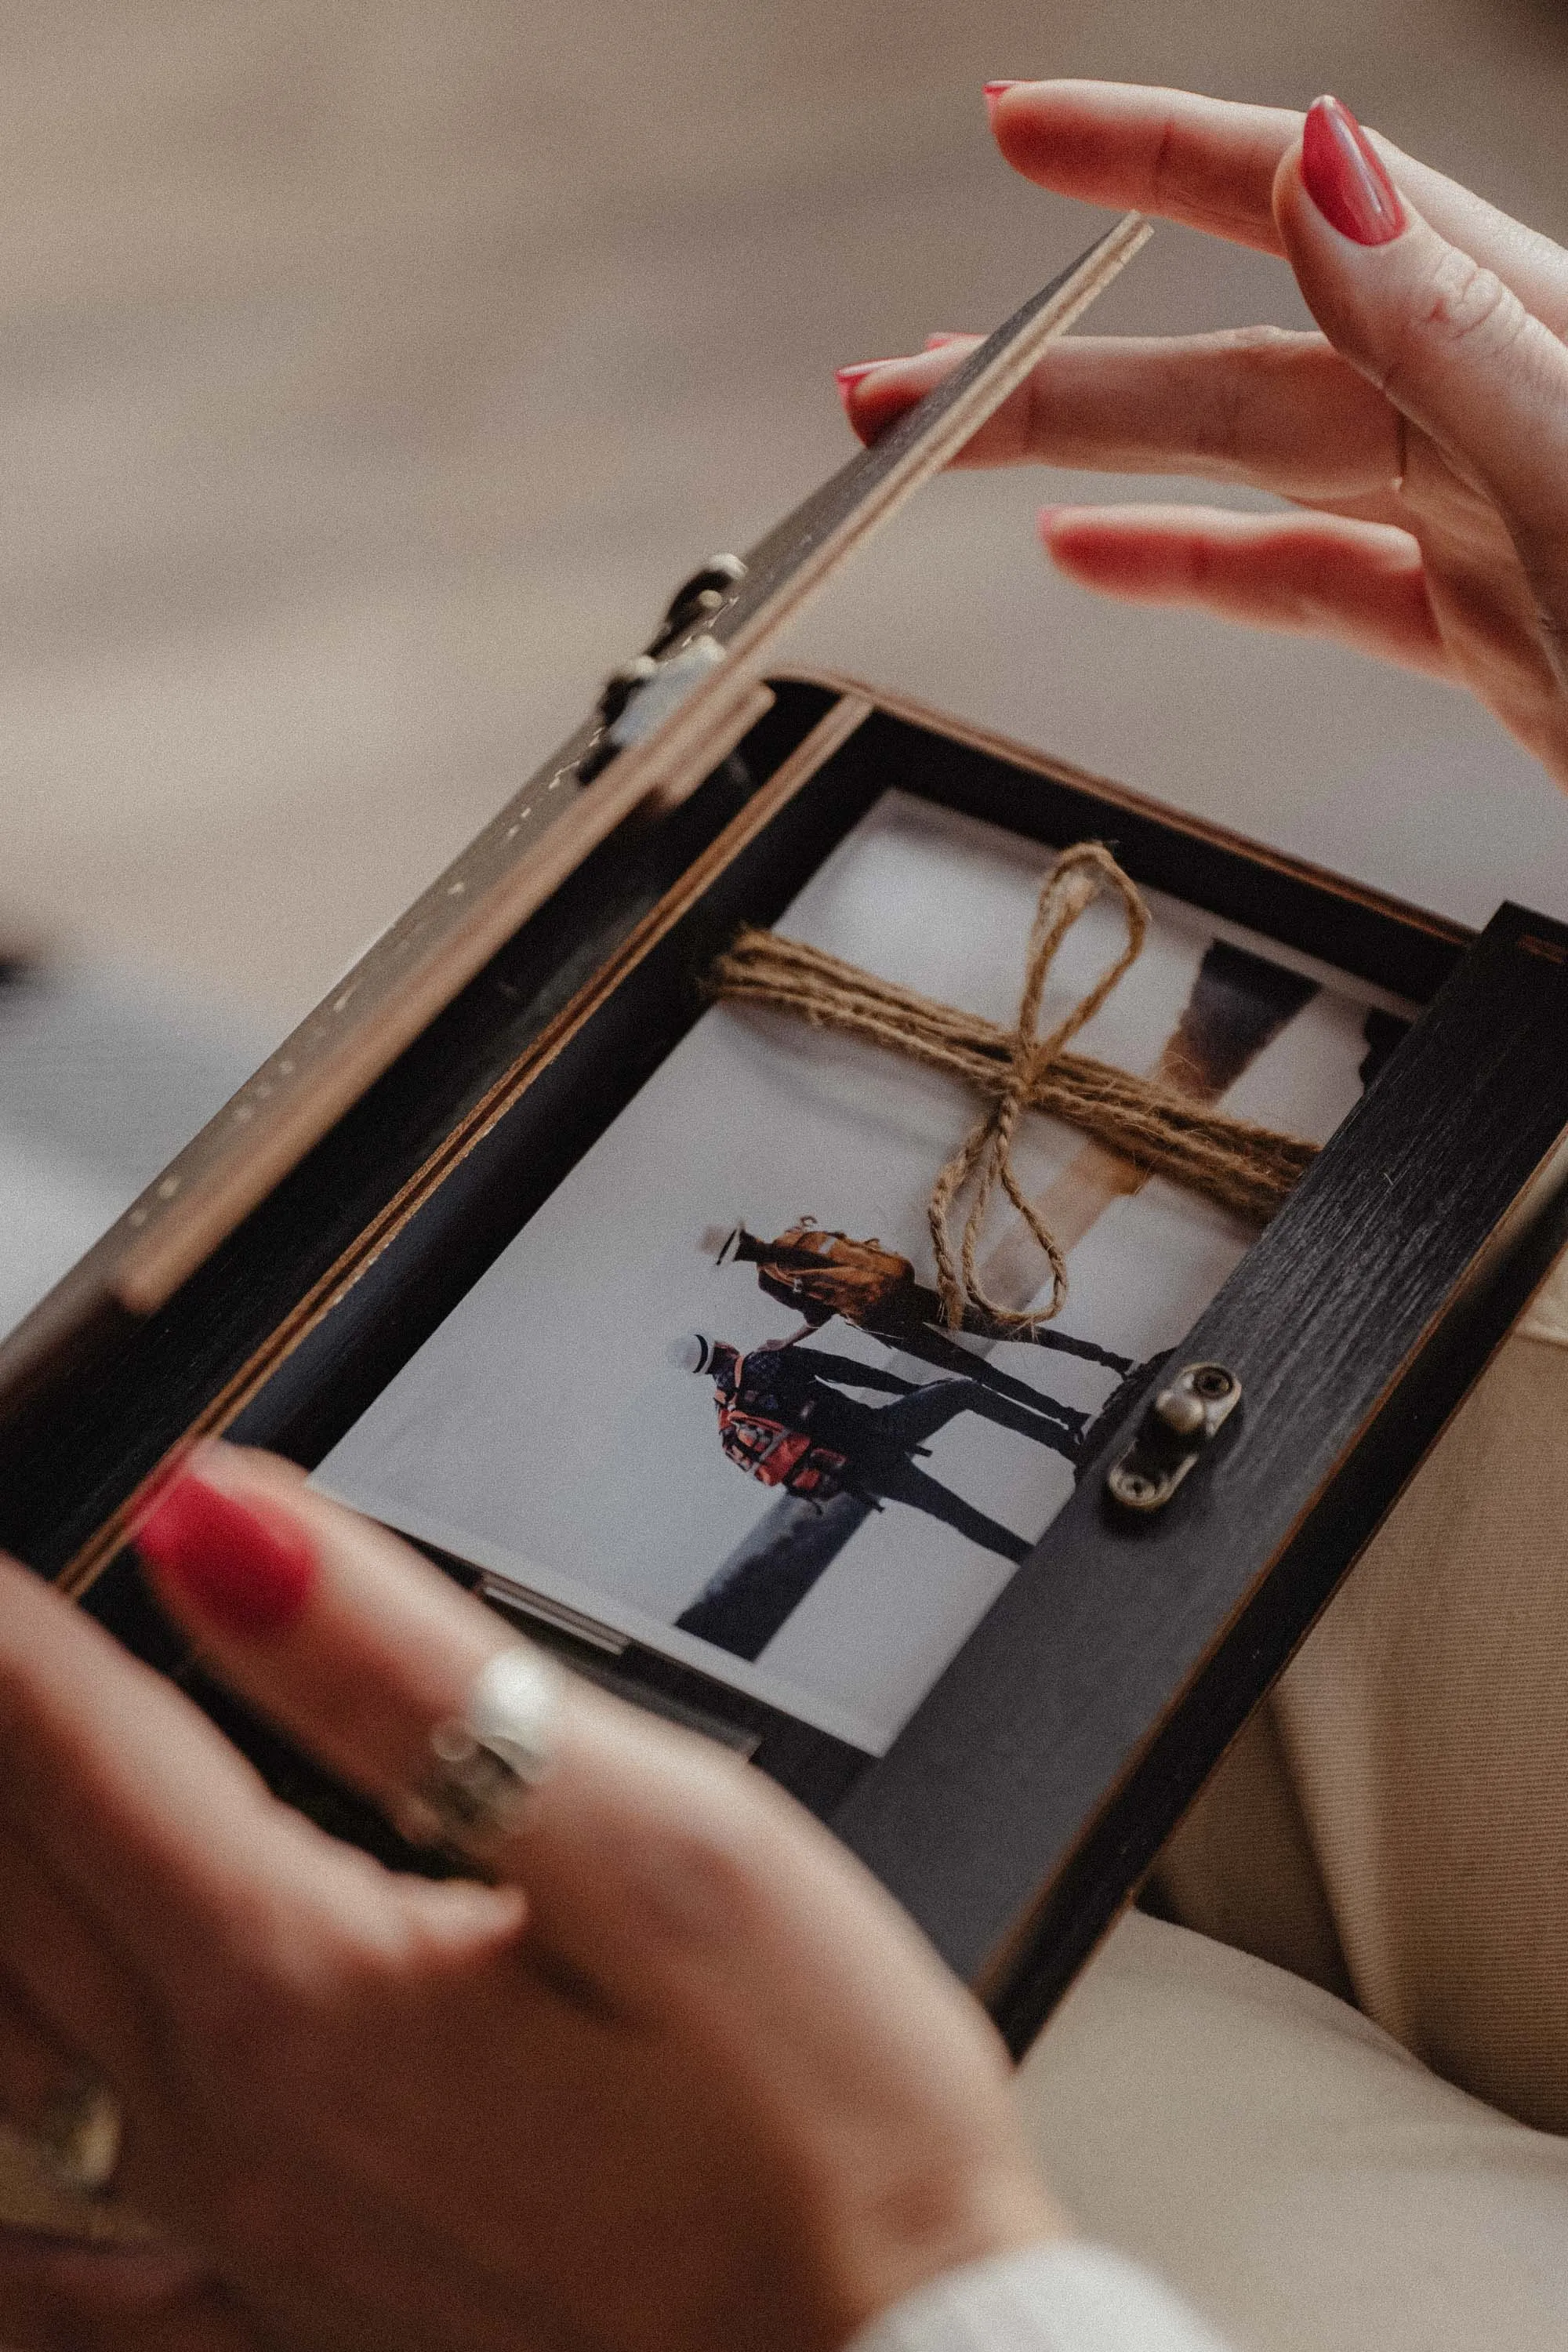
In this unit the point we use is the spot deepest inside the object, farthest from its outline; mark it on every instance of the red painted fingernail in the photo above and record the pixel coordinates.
(995, 89)
(250, 1574)
(862, 367)
(1343, 176)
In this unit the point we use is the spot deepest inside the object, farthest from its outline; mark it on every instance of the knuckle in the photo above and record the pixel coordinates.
(1465, 298)
(1258, 370)
(1163, 164)
(1266, 342)
(257, 2003)
(1461, 303)
(1548, 584)
(704, 1887)
(707, 1881)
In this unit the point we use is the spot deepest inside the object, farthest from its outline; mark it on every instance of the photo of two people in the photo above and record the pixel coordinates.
(681, 1407)
(793, 1414)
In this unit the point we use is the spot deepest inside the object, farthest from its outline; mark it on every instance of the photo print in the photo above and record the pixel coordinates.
(706, 1398)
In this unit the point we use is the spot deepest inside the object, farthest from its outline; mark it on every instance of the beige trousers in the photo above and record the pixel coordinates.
(1394, 1823)
(1304, 2182)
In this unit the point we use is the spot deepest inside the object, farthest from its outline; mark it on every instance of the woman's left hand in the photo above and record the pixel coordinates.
(1421, 435)
(685, 2078)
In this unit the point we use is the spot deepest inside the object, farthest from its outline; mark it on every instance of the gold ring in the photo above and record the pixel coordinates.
(81, 2135)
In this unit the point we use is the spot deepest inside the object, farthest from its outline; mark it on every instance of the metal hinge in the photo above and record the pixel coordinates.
(639, 695)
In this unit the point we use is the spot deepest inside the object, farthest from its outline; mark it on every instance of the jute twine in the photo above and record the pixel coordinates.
(1247, 1169)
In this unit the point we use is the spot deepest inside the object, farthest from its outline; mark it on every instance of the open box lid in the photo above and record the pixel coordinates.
(664, 721)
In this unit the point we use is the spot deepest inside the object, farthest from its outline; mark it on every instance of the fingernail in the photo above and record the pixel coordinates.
(848, 377)
(1342, 172)
(251, 1575)
(993, 90)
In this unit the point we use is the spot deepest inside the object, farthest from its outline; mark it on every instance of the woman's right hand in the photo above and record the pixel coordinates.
(687, 2079)
(1422, 435)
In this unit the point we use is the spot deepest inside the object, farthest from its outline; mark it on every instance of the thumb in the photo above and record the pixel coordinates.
(1449, 341)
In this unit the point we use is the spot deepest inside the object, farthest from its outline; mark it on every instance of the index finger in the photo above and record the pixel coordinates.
(152, 1825)
(1210, 163)
(1205, 162)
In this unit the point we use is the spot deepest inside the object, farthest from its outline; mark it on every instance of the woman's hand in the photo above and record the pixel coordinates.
(687, 2078)
(1422, 436)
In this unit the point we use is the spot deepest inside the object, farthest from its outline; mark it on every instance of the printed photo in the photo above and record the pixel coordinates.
(708, 1397)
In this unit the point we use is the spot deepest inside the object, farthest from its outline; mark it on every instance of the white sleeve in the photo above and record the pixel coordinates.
(1059, 2297)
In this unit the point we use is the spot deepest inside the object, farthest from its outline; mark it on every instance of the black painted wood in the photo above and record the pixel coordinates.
(70, 1454)
(126, 1392)
(1035, 1745)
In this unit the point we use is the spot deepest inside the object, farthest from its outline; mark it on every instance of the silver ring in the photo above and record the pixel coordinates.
(82, 2134)
(485, 1763)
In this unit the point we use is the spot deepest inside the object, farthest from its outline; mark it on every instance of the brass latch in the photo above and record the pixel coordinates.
(1183, 1421)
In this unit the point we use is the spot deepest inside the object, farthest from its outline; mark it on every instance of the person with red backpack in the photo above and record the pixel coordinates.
(785, 1420)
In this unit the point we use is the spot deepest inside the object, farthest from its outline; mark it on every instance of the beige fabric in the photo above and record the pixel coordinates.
(1395, 1821)
(1305, 2183)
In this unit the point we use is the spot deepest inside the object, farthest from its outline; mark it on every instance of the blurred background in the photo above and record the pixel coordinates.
(368, 373)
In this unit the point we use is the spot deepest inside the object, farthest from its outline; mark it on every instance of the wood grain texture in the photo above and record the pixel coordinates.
(1040, 1735)
(114, 1394)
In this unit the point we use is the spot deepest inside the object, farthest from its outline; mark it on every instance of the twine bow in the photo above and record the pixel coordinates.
(1247, 1169)
(984, 1158)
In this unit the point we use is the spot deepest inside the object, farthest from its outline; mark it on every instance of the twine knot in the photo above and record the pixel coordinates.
(984, 1158)
(1247, 1169)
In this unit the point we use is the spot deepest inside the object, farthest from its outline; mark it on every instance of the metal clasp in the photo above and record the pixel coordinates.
(699, 599)
(640, 695)
(1183, 1421)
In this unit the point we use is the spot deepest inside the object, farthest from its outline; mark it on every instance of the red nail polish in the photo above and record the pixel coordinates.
(1343, 176)
(862, 367)
(995, 89)
(250, 1574)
